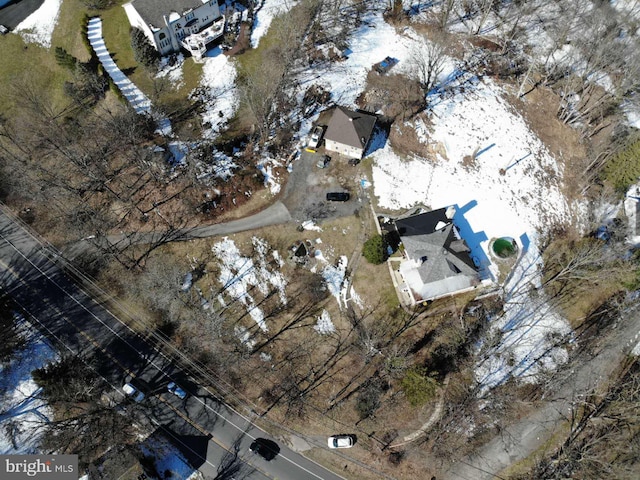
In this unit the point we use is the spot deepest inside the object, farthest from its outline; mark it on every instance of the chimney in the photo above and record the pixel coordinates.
(450, 212)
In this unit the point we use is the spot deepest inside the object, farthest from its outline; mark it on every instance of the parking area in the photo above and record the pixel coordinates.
(308, 185)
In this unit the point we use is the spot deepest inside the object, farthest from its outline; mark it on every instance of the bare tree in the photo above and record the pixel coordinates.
(428, 62)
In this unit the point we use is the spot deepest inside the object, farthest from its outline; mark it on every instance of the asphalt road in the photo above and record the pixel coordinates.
(14, 13)
(217, 436)
(525, 437)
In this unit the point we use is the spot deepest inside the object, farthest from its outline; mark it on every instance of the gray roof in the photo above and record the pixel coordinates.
(153, 11)
(442, 252)
(350, 128)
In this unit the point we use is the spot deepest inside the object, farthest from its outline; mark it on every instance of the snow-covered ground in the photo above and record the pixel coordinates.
(239, 275)
(270, 9)
(529, 329)
(38, 27)
(334, 277)
(370, 43)
(167, 458)
(23, 414)
(324, 325)
(511, 189)
(220, 92)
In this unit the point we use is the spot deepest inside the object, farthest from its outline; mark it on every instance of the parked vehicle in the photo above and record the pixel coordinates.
(131, 391)
(340, 441)
(323, 161)
(338, 196)
(176, 390)
(3, 30)
(267, 449)
(354, 161)
(316, 137)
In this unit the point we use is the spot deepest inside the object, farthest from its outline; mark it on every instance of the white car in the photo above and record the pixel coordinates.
(131, 391)
(340, 441)
(316, 136)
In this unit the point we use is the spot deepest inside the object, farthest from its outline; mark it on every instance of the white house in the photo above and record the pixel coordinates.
(172, 24)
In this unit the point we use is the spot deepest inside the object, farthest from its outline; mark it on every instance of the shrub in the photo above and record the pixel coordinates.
(143, 51)
(369, 399)
(65, 59)
(418, 387)
(374, 250)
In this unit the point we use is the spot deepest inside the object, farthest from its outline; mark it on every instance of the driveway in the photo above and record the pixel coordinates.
(524, 437)
(14, 13)
(308, 185)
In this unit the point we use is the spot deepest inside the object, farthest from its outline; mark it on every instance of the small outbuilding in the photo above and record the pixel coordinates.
(349, 132)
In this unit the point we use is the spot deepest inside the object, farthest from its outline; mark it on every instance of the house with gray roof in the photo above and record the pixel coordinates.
(437, 261)
(172, 24)
(349, 132)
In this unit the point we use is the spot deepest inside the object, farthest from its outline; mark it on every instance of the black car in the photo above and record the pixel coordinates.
(338, 196)
(267, 449)
(354, 161)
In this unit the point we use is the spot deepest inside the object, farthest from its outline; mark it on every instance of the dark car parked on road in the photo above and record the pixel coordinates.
(267, 449)
(338, 196)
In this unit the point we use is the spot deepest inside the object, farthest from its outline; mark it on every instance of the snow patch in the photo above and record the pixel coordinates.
(38, 27)
(217, 92)
(309, 225)
(171, 68)
(244, 336)
(530, 330)
(23, 413)
(334, 277)
(324, 324)
(264, 17)
(239, 274)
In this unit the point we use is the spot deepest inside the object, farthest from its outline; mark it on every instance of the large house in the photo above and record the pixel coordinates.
(172, 24)
(437, 260)
(349, 132)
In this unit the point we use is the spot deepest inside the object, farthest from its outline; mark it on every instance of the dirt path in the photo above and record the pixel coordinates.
(523, 438)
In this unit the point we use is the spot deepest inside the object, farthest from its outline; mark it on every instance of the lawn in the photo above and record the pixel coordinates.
(18, 60)
(115, 28)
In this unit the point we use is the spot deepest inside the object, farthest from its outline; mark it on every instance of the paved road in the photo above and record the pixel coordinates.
(64, 311)
(14, 13)
(523, 438)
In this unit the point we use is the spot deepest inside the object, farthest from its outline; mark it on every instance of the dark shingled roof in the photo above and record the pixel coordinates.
(421, 224)
(152, 11)
(350, 128)
(442, 252)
